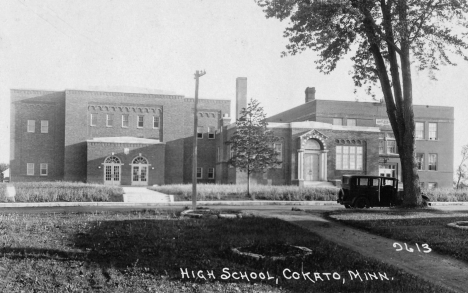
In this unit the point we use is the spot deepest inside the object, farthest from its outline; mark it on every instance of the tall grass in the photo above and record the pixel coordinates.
(446, 194)
(64, 191)
(238, 192)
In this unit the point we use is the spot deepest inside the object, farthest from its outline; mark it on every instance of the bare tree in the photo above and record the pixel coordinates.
(462, 170)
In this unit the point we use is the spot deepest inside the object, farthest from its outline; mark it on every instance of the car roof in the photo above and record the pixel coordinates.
(369, 176)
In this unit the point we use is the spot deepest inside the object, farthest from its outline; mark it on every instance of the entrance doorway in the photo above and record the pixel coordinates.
(311, 167)
(140, 169)
(388, 170)
(112, 170)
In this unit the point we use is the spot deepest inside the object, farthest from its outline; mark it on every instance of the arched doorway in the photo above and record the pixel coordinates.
(140, 169)
(112, 165)
(312, 150)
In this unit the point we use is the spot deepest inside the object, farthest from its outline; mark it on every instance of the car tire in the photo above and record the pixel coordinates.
(361, 202)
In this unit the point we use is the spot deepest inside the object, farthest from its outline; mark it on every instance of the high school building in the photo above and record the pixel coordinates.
(146, 139)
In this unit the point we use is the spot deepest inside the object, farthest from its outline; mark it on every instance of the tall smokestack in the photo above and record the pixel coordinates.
(309, 94)
(241, 95)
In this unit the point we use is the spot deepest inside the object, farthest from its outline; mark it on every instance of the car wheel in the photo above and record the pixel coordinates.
(361, 203)
(347, 206)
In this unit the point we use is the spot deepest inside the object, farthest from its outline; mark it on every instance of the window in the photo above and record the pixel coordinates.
(155, 121)
(363, 181)
(43, 169)
(31, 125)
(337, 121)
(351, 122)
(279, 149)
(211, 173)
(199, 172)
(125, 120)
(109, 120)
(93, 119)
(348, 157)
(200, 132)
(211, 132)
(432, 164)
(420, 161)
(231, 152)
(419, 130)
(30, 169)
(140, 120)
(381, 146)
(44, 126)
(432, 131)
(431, 185)
(391, 147)
(218, 155)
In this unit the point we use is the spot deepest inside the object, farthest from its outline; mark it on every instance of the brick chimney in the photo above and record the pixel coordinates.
(309, 94)
(241, 95)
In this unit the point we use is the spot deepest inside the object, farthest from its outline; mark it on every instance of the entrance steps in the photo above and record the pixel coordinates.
(144, 195)
(318, 184)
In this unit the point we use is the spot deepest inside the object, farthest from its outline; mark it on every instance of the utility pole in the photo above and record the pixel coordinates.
(198, 74)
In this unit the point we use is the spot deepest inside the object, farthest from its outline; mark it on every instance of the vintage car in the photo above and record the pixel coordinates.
(360, 191)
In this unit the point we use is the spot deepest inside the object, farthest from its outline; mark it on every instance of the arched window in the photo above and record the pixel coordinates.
(139, 160)
(112, 160)
(312, 144)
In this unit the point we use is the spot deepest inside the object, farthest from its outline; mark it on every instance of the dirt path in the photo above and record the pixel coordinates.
(432, 267)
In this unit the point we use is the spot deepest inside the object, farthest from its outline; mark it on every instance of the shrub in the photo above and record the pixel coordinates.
(64, 191)
(238, 192)
(446, 194)
(3, 197)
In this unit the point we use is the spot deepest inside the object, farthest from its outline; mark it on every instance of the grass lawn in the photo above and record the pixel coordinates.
(154, 251)
(425, 226)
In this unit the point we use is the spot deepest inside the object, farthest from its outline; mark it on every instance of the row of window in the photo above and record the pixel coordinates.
(348, 157)
(44, 126)
(43, 169)
(349, 122)
(211, 173)
(140, 120)
(211, 132)
(420, 131)
(431, 164)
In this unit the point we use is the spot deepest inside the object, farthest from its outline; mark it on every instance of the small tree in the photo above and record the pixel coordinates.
(3, 167)
(462, 170)
(252, 143)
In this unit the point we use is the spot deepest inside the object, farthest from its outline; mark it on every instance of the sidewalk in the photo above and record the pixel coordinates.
(432, 267)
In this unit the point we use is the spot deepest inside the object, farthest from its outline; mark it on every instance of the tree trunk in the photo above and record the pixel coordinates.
(248, 185)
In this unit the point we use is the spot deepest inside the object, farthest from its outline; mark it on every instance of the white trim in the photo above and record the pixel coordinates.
(201, 173)
(33, 126)
(91, 119)
(138, 121)
(159, 122)
(128, 120)
(107, 120)
(213, 177)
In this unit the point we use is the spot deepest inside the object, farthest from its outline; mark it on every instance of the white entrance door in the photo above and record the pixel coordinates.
(112, 171)
(311, 167)
(139, 175)
(140, 168)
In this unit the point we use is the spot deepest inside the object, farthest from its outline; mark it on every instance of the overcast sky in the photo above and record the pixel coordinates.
(158, 45)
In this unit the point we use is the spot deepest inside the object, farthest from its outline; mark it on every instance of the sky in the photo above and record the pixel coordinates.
(136, 46)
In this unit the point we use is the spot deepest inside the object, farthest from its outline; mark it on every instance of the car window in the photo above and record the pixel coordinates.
(345, 180)
(375, 182)
(363, 181)
(387, 182)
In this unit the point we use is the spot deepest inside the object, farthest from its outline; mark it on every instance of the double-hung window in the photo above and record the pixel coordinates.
(44, 169)
(337, 121)
(420, 161)
(279, 150)
(109, 120)
(30, 169)
(432, 164)
(200, 132)
(199, 173)
(140, 121)
(432, 131)
(155, 121)
(44, 126)
(211, 172)
(351, 122)
(31, 125)
(391, 147)
(93, 119)
(125, 120)
(419, 133)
